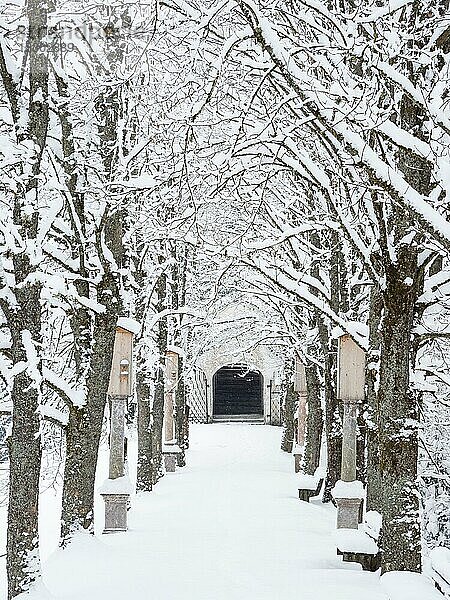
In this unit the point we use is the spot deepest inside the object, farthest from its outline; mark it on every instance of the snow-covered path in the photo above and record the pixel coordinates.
(228, 526)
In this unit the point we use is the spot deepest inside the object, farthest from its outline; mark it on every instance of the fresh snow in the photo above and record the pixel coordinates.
(355, 540)
(440, 563)
(348, 489)
(229, 526)
(409, 586)
(129, 324)
(309, 482)
(120, 485)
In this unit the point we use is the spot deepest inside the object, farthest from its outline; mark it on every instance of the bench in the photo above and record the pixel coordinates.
(297, 453)
(440, 569)
(361, 545)
(310, 486)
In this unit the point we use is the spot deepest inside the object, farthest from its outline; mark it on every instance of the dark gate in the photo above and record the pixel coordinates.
(237, 391)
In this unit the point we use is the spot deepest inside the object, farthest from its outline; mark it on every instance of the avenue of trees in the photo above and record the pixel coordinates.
(161, 160)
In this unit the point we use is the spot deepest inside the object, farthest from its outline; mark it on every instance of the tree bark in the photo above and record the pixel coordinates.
(333, 419)
(144, 398)
(85, 423)
(289, 409)
(24, 321)
(25, 451)
(144, 462)
(398, 431)
(374, 483)
(158, 399)
(180, 414)
(314, 422)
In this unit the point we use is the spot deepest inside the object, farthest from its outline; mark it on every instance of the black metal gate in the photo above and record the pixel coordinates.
(237, 391)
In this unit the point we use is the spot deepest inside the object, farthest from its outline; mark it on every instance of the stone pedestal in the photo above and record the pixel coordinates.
(348, 513)
(170, 454)
(116, 506)
(170, 461)
(297, 453)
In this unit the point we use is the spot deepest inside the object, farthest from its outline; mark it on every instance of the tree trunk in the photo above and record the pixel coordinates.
(398, 404)
(333, 419)
(398, 431)
(144, 462)
(374, 484)
(180, 414)
(85, 424)
(289, 409)
(158, 399)
(178, 285)
(24, 320)
(24, 447)
(143, 394)
(314, 422)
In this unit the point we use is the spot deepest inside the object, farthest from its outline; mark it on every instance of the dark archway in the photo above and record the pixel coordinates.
(237, 391)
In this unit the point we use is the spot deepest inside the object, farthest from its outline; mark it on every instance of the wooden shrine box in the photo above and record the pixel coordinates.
(351, 369)
(120, 381)
(171, 370)
(300, 377)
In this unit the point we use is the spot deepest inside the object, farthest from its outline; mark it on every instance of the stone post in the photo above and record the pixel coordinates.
(349, 433)
(117, 437)
(301, 423)
(117, 488)
(300, 388)
(348, 493)
(170, 448)
(170, 385)
(168, 417)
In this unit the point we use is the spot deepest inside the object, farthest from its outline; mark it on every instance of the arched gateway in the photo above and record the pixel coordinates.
(237, 390)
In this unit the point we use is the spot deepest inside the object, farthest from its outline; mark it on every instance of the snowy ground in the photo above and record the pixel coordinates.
(228, 526)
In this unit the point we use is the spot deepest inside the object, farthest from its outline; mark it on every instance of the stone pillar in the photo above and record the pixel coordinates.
(115, 490)
(301, 421)
(348, 492)
(349, 508)
(170, 447)
(348, 513)
(301, 389)
(348, 496)
(168, 417)
(117, 437)
(349, 432)
(116, 506)
(170, 386)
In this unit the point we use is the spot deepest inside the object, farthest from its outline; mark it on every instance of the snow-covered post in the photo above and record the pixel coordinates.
(117, 488)
(348, 492)
(170, 448)
(300, 388)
